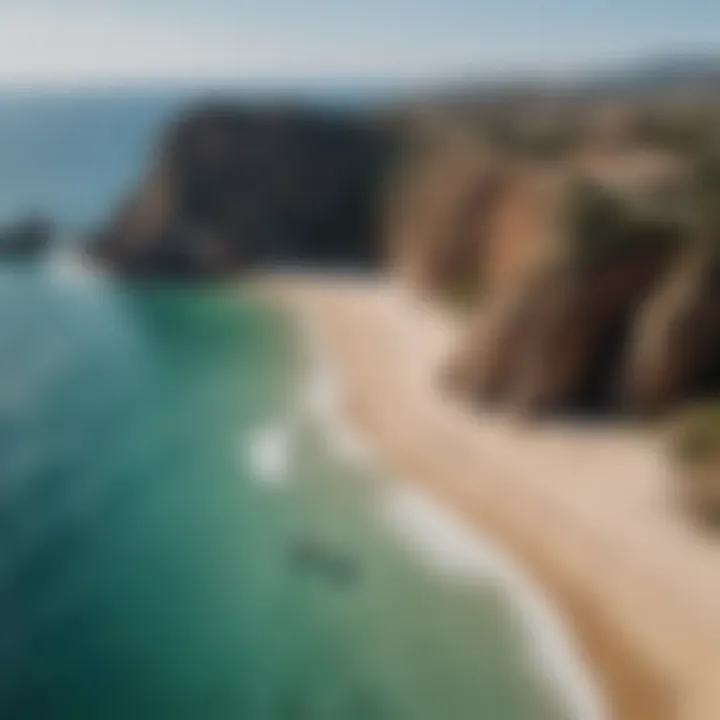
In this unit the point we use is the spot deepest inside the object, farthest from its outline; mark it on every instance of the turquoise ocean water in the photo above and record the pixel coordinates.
(179, 539)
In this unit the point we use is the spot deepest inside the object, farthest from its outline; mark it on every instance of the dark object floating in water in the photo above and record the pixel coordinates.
(25, 239)
(312, 556)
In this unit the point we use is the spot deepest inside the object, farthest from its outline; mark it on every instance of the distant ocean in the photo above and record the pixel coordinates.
(72, 156)
(179, 538)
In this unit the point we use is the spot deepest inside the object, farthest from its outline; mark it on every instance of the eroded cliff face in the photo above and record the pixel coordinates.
(572, 353)
(674, 348)
(593, 326)
(589, 295)
(436, 205)
(466, 218)
(559, 343)
(233, 187)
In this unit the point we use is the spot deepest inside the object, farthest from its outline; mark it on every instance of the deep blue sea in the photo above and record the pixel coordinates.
(180, 539)
(73, 155)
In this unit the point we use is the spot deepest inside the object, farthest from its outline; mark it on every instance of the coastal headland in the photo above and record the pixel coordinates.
(520, 300)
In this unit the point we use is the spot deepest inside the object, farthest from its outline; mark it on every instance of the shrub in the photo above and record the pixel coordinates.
(696, 453)
(600, 223)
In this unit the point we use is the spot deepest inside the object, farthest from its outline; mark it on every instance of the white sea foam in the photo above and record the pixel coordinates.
(323, 403)
(270, 452)
(271, 449)
(450, 547)
(68, 267)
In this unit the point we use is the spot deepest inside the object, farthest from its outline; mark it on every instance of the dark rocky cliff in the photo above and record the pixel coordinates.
(235, 186)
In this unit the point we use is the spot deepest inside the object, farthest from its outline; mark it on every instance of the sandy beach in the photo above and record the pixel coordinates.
(587, 512)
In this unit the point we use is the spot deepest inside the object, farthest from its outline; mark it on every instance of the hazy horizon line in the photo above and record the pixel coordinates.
(497, 74)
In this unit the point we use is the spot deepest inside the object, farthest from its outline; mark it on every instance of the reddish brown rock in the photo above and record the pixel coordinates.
(485, 366)
(560, 339)
(571, 355)
(674, 351)
(437, 198)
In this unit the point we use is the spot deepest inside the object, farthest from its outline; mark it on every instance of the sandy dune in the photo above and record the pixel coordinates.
(588, 512)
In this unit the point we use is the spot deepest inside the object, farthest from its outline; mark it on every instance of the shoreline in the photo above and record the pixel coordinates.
(455, 549)
(581, 514)
(436, 534)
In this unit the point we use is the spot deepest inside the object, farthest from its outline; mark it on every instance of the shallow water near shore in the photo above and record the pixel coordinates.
(181, 540)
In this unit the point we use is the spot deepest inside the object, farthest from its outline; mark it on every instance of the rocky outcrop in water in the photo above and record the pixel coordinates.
(25, 239)
(234, 187)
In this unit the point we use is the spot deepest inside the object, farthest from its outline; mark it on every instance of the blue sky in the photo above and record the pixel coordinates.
(50, 41)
